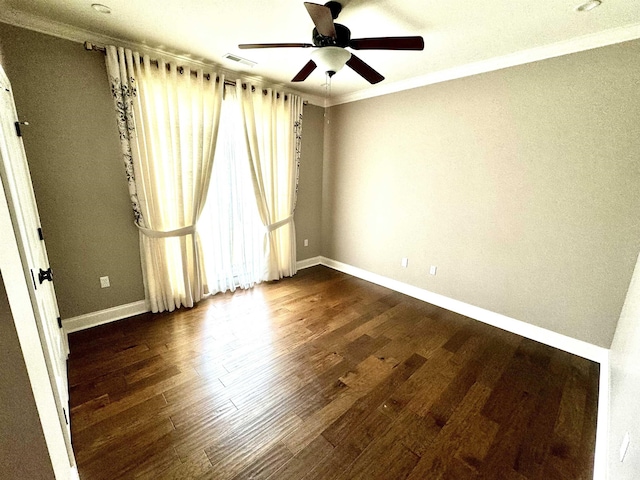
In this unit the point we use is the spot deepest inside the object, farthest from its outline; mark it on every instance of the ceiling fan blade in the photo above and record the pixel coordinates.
(364, 70)
(387, 43)
(322, 19)
(244, 46)
(305, 72)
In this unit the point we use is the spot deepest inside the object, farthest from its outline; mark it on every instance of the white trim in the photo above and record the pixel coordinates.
(308, 262)
(573, 45)
(82, 322)
(601, 461)
(74, 473)
(533, 332)
(15, 284)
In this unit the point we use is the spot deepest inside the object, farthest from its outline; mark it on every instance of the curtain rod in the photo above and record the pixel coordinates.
(96, 48)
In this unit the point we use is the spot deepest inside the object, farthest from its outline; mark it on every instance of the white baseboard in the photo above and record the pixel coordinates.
(309, 262)
(539, 334)
(93, 319)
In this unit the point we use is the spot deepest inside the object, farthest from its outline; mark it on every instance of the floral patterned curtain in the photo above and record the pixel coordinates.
(168, 120)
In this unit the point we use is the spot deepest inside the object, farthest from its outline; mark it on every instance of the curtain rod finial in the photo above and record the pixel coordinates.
(93, 47)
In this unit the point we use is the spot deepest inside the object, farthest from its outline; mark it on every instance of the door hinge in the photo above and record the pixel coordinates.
(66, 420)
(34, 280)
(45, 275)
(18, 129)
(59, 322)
(40, 234)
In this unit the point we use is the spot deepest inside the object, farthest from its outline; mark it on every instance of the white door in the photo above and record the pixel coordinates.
(16, 181)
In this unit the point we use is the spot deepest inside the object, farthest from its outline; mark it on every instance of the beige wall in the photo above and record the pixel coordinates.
(625, 386)
(522, 186)
(309, 205)
(74, 156)
(23, 451)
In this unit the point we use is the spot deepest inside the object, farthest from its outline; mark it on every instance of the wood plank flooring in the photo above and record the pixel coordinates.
(325, 376)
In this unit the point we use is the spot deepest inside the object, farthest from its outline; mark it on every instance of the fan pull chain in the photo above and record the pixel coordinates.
(327, 91)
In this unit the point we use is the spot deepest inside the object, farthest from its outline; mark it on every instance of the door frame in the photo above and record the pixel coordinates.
(26, 324)
(29, 338)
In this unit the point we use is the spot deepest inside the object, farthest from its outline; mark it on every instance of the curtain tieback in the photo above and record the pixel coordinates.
(281, 223)
(179, 232)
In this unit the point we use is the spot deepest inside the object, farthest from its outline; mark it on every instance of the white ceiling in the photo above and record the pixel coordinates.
(461, 36)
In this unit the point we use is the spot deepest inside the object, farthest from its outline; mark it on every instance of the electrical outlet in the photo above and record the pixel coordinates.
(306, 242)
(433, 270)
(405, 262)
(104, 282)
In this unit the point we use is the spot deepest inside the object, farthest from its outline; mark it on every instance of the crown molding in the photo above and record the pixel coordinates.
(574, 45)
(80, 35)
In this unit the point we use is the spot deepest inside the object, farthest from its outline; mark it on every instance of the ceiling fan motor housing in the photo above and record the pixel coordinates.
(335, 8)
(343, 35)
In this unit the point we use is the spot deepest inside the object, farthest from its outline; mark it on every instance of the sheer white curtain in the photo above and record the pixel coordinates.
(273, 129)
(230, 227)
(168, 121)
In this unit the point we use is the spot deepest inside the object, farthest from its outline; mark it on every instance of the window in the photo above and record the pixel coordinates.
(230, 228)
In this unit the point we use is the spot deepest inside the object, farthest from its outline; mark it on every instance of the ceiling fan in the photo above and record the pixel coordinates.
(331, 40)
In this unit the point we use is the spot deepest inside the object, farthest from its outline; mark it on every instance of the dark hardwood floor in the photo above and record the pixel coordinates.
(325, 376)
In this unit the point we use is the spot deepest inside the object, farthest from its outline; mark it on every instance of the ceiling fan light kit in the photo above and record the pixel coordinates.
(330, 59)
(331, 40)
